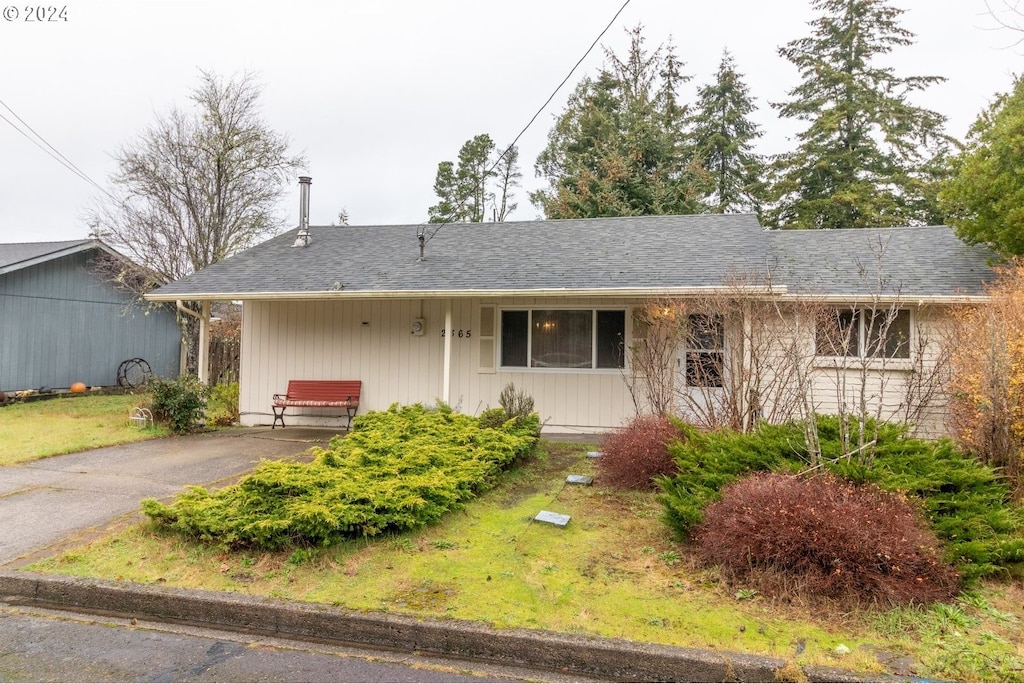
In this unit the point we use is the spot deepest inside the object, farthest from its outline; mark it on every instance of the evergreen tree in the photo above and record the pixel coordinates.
(723, 137)
(463, 188)
(868, 156)
(985, 199)
(619, 148)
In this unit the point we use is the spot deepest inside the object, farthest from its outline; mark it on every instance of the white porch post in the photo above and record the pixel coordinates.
(204, 344)
(447, 380)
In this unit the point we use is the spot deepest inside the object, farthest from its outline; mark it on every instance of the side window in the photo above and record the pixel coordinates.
(705, 353)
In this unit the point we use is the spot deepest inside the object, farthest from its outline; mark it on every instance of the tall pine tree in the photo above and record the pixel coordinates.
(463, 189)
(619, 147)
(867, 157)
(723, 138)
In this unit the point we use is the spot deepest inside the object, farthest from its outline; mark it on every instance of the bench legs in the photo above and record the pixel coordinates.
(278, 415)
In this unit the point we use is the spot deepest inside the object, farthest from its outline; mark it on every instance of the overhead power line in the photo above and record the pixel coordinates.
(422, 229)
(41, 142)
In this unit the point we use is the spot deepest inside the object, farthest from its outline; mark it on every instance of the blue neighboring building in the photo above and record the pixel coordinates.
(61, 323)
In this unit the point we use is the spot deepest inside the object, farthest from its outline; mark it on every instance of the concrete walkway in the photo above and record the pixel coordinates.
(59, 499)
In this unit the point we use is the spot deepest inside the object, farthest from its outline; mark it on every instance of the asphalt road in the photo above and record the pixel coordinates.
(51, 646)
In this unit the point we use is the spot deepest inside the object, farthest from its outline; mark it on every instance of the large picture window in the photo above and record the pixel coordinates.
(863, 333)
(563, 338)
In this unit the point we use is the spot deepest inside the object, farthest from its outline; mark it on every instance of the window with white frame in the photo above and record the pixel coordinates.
(863, 333)
(705, 350)
(563, 338)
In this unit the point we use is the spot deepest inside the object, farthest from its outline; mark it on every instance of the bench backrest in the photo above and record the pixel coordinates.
(324, 390)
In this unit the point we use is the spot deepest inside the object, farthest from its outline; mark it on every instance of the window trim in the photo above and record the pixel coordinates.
(719, 350)
(530, 308)
(861, 359)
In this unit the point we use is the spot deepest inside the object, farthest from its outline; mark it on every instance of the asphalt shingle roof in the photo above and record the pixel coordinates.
(16, 253)
(642, 253)
(613, 253)
(922, 261)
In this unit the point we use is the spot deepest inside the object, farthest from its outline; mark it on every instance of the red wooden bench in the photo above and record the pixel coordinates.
(318, 394)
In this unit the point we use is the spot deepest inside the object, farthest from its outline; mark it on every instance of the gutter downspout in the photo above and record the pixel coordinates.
(204, 340)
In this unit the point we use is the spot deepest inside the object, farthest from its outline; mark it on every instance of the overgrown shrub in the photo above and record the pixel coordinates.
(827, 536)
(222, 406)
(493, 418)
(517, 403)
(636, 454)
(708, 461)
(395, 470)
(966, 503)
(179, 403)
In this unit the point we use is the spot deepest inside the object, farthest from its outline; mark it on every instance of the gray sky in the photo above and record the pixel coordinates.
(377, 93)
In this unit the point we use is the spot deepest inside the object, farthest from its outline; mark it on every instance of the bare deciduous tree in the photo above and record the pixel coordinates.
(199, 184)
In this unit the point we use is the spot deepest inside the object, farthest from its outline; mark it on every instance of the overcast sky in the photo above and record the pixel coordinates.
(376, 93)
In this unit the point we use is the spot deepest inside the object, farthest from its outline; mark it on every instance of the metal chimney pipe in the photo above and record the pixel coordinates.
(302, 239)
(304, 183)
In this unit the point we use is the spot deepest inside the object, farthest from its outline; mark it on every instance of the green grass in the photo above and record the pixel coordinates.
(612, 572)
(37, 429)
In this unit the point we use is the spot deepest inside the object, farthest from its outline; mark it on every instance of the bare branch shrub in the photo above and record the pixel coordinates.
(650, 375)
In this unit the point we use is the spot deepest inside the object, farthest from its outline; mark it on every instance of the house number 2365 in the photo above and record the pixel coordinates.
(456, 333)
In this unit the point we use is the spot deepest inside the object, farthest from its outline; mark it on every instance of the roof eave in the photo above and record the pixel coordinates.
(83, 246)
(863, 298)
(458, 294)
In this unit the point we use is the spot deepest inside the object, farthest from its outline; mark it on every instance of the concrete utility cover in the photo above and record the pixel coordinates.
(552, 518)
(580, 479)
(595, 454)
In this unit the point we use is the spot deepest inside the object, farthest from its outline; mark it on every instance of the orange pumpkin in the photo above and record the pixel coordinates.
(78, 388)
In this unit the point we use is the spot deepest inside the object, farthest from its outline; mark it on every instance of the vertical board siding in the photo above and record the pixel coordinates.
(61, 324)
(282, 341)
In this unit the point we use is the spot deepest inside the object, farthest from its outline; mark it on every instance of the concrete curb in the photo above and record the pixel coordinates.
(613, 659)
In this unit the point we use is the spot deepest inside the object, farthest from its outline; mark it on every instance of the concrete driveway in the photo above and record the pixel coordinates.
(62, 499)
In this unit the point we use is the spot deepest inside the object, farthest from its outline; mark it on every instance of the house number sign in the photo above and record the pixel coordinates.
(457, 333)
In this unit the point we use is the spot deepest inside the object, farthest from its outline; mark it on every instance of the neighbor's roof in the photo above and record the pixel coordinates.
(19, 255)
(628, 256)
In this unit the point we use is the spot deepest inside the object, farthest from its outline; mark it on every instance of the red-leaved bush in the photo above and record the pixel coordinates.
(824, 536)
(635, 454)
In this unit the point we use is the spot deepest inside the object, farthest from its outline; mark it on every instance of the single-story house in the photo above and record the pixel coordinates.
(61, 323)
(456, 312)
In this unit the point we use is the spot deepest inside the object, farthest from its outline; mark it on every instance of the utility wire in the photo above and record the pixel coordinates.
(422, 230)
(52, 151)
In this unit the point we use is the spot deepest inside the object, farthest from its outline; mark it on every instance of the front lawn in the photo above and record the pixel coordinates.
(613, 571)
(64, 425)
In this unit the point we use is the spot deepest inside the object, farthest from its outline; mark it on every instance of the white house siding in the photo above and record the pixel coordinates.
(835, 389)
(329, 340)
(370, 340)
